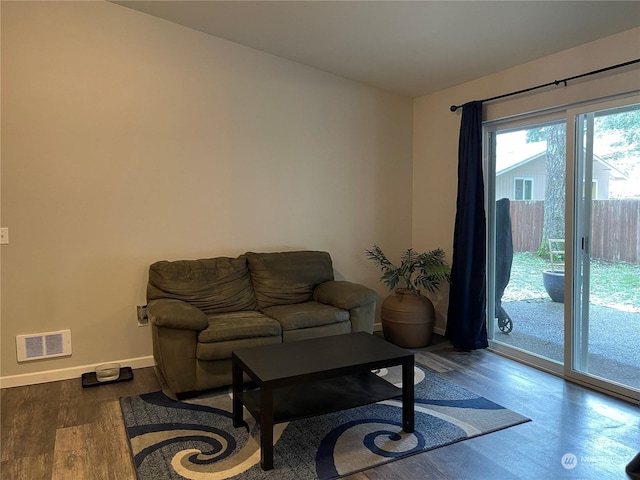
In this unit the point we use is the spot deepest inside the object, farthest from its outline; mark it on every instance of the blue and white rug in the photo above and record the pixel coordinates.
(196, 440)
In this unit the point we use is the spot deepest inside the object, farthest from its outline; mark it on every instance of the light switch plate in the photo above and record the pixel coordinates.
(4, 235)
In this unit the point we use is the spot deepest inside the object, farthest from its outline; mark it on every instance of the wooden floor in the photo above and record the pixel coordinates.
(59, 430)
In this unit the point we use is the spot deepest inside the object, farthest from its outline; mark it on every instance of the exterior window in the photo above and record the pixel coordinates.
(523, 189)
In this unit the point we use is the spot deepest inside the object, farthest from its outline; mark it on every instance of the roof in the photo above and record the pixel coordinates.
(512, 151)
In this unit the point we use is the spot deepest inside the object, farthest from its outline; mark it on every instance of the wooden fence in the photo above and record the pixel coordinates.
(615, 234)
(527, 218)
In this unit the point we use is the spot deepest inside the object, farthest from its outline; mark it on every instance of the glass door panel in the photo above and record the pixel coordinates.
(526, 210)
(606, 320)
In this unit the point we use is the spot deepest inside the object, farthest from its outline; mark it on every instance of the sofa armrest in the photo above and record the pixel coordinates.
(171, 313)
(346, 295)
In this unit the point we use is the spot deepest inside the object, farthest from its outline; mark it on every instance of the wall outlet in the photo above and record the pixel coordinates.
(4, 236)
(141, 313)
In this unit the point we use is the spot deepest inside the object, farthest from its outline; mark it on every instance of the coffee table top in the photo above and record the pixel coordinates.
(317, 358)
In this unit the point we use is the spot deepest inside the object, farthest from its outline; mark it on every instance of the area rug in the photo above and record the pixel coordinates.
(196, 440)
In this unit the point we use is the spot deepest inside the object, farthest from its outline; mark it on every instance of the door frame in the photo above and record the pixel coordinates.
(576, 222)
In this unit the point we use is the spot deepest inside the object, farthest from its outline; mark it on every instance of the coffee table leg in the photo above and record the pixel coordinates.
(266, 428)
(407, 396)
(236, 373)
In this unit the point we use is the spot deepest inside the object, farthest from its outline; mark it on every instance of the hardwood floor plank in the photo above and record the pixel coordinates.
(70, 458)
(460, 461)
(37, 467)
(82, 452)
(435, 362)
(29, 420)
(359, 476)
(404, 469)
(77, 405)
(112, 426)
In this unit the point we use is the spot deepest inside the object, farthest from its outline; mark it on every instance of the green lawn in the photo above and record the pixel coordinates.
(614, 285)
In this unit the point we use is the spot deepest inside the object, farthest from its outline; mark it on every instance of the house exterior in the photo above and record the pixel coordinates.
(521, 174)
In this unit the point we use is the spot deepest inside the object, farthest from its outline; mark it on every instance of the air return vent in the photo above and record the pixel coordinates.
(43, 345)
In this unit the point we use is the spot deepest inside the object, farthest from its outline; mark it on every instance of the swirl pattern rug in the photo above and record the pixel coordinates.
(196, 440)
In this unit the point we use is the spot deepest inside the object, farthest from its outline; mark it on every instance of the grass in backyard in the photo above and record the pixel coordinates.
(615, 285)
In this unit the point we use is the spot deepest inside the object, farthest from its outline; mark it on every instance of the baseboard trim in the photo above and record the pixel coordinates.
(68, 373)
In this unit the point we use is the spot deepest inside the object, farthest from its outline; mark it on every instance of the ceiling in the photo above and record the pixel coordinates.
(410, 47)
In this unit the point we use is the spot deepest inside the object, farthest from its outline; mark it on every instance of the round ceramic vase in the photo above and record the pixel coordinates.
(407, 319)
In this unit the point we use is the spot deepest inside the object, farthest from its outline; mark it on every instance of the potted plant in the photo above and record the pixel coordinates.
(408, 316)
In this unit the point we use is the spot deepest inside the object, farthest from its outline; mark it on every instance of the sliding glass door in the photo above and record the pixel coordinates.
(563, 213)
(605, 336)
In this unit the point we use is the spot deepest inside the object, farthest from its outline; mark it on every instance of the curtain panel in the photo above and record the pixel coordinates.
(466, 316)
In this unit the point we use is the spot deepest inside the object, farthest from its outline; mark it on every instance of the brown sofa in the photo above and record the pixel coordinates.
(201, 310)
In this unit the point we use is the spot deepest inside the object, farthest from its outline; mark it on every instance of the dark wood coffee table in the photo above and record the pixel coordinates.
(312, 377)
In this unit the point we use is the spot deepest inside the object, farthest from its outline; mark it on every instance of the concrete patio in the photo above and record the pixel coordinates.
(614, 337)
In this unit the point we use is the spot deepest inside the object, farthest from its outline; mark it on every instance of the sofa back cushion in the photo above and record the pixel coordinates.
(284, 278)
(214, 285)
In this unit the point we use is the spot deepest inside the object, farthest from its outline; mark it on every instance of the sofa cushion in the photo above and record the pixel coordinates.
(222, 351)
(285, 278)
(236, 325)
(214, 285)
(306, 315)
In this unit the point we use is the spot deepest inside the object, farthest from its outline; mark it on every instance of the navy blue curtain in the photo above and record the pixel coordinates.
(466, 317)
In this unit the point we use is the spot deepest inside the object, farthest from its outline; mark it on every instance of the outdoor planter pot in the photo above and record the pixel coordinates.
(554, 284)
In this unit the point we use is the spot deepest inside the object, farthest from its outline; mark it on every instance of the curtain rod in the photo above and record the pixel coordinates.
(453, 108)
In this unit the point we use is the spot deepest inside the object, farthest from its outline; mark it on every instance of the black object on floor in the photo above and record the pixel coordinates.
(633, 467)
(504, 261)
(90, 380)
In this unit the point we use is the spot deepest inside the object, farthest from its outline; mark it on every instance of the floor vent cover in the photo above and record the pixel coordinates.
(43, 345)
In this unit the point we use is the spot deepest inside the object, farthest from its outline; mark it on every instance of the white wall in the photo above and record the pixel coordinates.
(127, 139)
(436, 128)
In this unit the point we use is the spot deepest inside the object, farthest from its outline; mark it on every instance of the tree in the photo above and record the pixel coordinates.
(619, 133)
(554, 203)
(553, 224)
